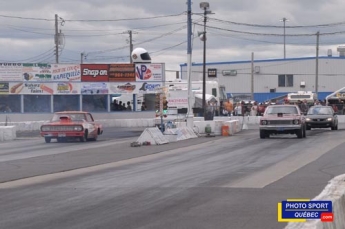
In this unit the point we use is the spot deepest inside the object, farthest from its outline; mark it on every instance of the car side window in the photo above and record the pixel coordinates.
(89, 118)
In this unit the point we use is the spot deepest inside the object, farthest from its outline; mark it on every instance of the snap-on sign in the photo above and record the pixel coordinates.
(95, 72)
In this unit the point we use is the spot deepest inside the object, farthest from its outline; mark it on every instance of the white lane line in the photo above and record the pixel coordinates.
(286, 167)
(83, 171)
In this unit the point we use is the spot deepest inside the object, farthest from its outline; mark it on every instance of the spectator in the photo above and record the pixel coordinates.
(143, 107)
(129, 107)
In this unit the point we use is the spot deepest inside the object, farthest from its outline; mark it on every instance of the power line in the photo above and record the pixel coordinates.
(275, 26)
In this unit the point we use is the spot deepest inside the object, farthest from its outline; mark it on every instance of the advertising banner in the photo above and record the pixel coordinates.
(123, 88)
(121, 72)
(94, 88)
(94, 72)
(32, 88)
(37, 72)
(66, 72)
(134, 88)
(4, 88)
(10, 72)
(66, 88)
(149, 72)
(149, 87)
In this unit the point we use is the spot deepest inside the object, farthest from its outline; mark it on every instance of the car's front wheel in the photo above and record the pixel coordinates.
(299, 133)
(262, 134)
(84, 137)
(47, 139)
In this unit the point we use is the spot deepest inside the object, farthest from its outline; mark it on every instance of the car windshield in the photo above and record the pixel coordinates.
(320, 111)
(281, 109)
(73, 116)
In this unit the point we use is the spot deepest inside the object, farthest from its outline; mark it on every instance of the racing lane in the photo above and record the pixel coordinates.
(231, 182)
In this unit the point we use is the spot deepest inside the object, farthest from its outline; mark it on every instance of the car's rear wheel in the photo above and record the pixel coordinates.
(47, 139)
(308, 128)
(262, 134)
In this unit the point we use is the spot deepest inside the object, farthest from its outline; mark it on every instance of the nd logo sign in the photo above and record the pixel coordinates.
(143, 73)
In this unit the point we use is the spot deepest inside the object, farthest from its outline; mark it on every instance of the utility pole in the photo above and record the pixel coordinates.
(317, 66)
(284, 20)
(130, 45)
(56, 39)
(252, 78)
(81, 57)
(190, 114)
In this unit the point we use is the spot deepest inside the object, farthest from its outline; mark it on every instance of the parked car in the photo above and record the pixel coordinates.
(322, 117)
(71, 125)
(282, 119)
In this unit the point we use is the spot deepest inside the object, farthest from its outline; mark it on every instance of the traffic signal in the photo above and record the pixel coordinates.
(157, 104)
(165, 104)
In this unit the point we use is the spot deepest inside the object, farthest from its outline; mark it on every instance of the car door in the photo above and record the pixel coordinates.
(92, 124)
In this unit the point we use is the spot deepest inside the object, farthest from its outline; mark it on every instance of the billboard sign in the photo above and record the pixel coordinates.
(66, 88)
(4, 88)
(124, 88)
(149, 72)
(149, 87)
(37, 72)
(121, 72)
(10, 72)
(94, 72)
(66, 72)
(31, 88)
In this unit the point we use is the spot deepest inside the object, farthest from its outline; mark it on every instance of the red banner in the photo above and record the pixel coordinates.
(94, 72)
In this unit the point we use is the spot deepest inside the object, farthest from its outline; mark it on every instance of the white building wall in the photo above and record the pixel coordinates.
(331, 74)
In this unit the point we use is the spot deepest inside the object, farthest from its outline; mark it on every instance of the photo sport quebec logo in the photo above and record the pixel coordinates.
(301, 210)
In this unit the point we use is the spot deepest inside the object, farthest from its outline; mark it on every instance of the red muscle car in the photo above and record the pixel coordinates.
(282, 119)
(71, 125)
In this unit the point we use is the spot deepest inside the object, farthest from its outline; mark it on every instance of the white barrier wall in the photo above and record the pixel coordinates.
(7, 133)
(335, 192)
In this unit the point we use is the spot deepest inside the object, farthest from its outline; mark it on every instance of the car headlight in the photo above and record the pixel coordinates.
(264, 122)
(329, 119)
(45, 128)
(307, 119)
(78, 128)
(296, 121)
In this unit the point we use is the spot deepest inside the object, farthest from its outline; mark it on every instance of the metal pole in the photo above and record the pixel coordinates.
(130, 46)
(190, 114)
(204, 70)
(56, 39)
(317, 66)
(252, 78)
(284, 19)
(81, 57)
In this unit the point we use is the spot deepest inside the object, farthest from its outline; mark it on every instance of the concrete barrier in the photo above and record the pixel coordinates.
(7, 133)
(335, 192)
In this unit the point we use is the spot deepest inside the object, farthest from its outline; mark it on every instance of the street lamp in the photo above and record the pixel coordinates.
(205, 6)
(284, 20)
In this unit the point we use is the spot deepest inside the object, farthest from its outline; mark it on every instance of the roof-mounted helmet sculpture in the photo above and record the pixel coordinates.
(140, 55)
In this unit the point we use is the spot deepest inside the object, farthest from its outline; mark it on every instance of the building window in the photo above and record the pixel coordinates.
(285, 80)
(10, 103)
(37, 103)
(66, 103)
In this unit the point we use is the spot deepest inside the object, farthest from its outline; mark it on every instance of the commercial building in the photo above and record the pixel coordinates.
(273, 78)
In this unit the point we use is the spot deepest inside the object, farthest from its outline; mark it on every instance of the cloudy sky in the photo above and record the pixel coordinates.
(99, 28)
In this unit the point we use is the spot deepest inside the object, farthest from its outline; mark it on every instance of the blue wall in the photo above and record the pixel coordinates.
(262, 97)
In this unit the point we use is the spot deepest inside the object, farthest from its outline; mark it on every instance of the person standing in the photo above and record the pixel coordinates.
(254, 110)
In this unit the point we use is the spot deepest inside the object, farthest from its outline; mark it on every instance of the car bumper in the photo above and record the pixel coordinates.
(280, 127)
(62, 134)
(320, 124)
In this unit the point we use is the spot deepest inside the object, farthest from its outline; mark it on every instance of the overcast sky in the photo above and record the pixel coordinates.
(99, 28)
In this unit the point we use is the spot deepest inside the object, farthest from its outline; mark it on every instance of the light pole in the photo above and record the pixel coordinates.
(205, 6)
(284, 20)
